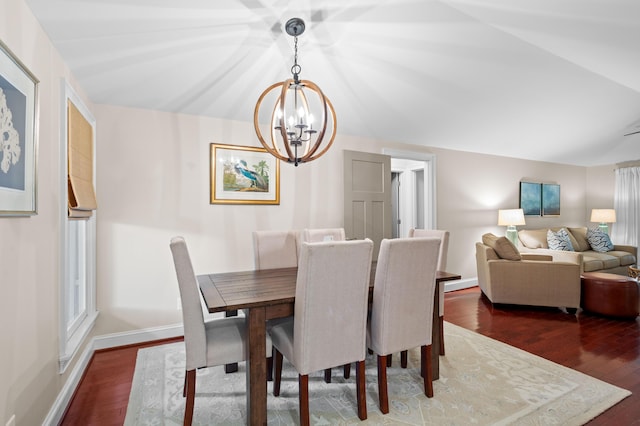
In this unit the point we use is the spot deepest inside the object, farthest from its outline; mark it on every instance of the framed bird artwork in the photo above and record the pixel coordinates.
(243, 175)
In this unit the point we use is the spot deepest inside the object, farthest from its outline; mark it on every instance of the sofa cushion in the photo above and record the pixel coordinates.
(502, 246)
(590, 263)
(624, 257)
(533, 238)
(608, 260)
(599, 241)
(559, 240)
(580, 237)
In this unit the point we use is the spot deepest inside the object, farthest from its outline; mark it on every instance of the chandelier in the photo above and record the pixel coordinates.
(295, 135)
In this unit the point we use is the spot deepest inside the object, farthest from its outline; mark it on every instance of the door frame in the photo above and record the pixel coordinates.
(430, 219)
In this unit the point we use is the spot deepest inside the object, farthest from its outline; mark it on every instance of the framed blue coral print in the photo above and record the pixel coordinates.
(18, 133)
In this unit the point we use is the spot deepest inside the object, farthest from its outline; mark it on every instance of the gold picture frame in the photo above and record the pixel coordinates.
(243, 175)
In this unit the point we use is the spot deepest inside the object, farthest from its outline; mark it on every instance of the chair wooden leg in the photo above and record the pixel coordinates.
(347, 371)
(184, 388)
(383, 397)
(278, 373)
(425, 361)
(361, 390)
(441, 335)
(303, 382)
(327, 375)
(389, 359)
(403, 359)
(191, 395)
(270, 368)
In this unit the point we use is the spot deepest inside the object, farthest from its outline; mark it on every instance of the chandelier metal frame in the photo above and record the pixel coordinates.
(292, 137)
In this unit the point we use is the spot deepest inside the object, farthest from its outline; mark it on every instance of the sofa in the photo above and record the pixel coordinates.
(615, 261)
(509, 277)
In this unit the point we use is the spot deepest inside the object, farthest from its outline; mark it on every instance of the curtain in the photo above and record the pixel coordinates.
(626, 202)
(82, 197)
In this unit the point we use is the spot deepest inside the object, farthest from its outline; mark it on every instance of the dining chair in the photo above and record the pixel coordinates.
(272, 250)
(402, 307)
(330, 316)
(207, 343)
(323, 234)
(275, 249)
(316, 235)
(442, 266)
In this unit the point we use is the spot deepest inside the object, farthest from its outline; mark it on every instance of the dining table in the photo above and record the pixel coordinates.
(269, 294)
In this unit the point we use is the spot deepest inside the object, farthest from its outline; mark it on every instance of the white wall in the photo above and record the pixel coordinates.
(29, 264)
(153, 183)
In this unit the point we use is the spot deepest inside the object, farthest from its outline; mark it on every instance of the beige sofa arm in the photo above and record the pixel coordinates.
(539, 283)
(629, 249)
(536, 257)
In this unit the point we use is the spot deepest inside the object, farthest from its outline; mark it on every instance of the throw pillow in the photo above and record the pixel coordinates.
(502, 246)
(559, 240)
(580, 235)
(533, 238)
(599, 241)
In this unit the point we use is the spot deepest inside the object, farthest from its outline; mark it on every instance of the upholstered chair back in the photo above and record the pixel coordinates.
(194, 330)
(332, 292)
(444, 243)
(442, 254)
(323, 234)
(403, 294)
(275, 249)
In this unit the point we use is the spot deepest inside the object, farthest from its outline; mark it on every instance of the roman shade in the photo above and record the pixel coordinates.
(81, 194)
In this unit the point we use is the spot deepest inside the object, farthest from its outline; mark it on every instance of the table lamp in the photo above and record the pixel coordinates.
(510, 218)
(604, 216)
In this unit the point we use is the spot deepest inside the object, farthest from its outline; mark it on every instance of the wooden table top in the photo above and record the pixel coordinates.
(246, 289)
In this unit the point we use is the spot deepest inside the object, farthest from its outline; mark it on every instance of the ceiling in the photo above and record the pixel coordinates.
(549, 80)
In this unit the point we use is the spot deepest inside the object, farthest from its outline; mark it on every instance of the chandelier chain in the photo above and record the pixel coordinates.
(295, 69)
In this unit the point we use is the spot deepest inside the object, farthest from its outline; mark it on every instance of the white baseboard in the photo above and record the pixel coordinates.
(54, 417)
(460, 284)
(137, 336)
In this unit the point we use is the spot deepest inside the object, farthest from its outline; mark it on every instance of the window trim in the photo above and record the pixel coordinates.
(70, 342)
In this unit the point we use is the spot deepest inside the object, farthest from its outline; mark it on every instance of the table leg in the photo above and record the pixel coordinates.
(256, 367)
(435, 336)
(233, 367)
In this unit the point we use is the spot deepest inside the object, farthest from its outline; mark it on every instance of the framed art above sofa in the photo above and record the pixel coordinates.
(531, 198)
(540, 199)
(550, 199)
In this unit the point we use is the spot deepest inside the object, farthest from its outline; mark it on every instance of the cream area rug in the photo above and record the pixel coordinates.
(482, 382)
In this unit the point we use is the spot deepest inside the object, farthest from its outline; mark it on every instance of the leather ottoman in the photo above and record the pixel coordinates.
(610, 294)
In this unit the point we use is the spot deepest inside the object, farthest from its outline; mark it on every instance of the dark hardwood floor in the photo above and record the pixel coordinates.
(608, 349)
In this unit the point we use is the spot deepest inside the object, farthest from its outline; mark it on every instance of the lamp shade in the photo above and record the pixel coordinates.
(511, 217)
(603, 215)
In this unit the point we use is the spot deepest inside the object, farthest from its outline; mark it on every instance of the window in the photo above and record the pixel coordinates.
(78, 248)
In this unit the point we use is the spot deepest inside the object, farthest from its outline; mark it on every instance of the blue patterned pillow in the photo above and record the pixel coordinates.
(599, 241)
(559, 240)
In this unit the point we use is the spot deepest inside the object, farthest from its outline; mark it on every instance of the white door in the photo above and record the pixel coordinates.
(367, 197)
